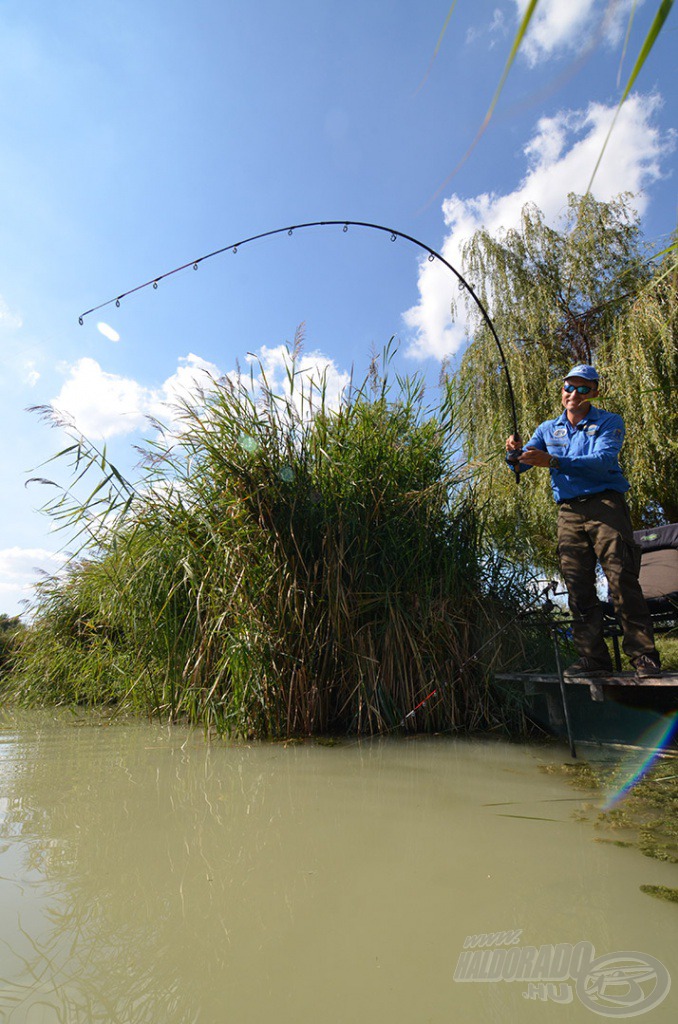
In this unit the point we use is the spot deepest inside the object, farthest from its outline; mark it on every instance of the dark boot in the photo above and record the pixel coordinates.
(589, 668)
(647, 667)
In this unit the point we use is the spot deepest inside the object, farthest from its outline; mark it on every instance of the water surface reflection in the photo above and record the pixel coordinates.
(146, 876)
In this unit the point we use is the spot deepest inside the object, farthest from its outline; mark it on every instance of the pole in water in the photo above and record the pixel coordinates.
(561, 680)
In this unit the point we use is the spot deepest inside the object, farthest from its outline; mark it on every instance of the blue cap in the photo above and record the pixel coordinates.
(587, 372)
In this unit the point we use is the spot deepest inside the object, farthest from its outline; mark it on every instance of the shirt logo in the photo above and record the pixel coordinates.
(560, 432)
(591, 429)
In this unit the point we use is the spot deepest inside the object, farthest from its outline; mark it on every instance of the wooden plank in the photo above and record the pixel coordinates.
(619, 679)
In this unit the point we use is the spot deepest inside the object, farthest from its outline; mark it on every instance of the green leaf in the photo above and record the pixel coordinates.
(655, 28)
(102, 483)
(626, 42)
(438, 44)
(671, 267)
(522, 29)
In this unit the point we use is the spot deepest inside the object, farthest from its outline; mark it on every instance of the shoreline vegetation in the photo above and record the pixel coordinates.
(646, 819)
(283, 568)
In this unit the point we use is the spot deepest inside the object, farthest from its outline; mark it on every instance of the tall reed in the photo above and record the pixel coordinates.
(285, 568)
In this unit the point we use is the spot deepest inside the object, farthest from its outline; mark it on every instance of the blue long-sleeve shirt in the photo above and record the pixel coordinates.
(587, 454)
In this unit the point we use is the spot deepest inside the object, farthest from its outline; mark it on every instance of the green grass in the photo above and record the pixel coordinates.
(668, 651)
(667, 645)
(283, 568)
(661, 892)
(11, 629)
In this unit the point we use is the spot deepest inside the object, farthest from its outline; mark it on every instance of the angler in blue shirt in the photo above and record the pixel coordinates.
(581, 448)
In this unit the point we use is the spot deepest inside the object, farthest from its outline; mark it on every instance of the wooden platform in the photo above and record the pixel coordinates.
(615, 708)
(597, 684)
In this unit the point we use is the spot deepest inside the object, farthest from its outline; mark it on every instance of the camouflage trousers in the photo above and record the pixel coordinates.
(599, 529)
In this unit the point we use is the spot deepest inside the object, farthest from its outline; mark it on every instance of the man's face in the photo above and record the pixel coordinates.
(573, 401)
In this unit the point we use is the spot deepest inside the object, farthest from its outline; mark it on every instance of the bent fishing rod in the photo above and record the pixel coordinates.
(344, 224)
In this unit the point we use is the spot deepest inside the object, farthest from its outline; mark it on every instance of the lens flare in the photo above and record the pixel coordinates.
(636, 764)
(250, 444)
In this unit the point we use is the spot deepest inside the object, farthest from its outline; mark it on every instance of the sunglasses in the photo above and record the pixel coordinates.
(581, 389)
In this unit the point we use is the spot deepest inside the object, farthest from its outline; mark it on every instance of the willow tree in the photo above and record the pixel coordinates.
(640, 362)
(557, 296)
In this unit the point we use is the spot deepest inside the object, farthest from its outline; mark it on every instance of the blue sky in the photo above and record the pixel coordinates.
(138, 136)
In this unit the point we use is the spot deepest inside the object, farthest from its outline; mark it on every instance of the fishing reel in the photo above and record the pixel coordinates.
(547, 604)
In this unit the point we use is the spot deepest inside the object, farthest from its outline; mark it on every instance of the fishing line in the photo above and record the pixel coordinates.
(233, 247)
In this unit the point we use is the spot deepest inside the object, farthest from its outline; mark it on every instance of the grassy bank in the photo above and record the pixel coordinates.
(282, 568)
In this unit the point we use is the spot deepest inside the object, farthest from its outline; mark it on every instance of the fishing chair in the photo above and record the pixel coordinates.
(658, 580)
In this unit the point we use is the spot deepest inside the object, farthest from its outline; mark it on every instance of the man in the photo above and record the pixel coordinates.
(581, 448)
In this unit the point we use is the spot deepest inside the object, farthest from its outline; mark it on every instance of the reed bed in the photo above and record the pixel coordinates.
(284, 568)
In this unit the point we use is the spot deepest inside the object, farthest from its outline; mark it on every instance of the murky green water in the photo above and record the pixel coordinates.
(146, 876)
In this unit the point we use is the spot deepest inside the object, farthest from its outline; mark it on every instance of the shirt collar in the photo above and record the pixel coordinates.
(592, 416)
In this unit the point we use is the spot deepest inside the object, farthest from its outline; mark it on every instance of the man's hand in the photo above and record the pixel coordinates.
(531, 457)
(513, 450)
(534, 457)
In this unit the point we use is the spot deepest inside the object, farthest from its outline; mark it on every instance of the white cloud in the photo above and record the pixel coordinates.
(9, 319)
(193, 375)
(496, 28)
(560, 158)
(108, 331)
(313, 372)
(497, 19)
(103, 404)
(20, 569)
(498, 23)
(574, 25)
(29, 374)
